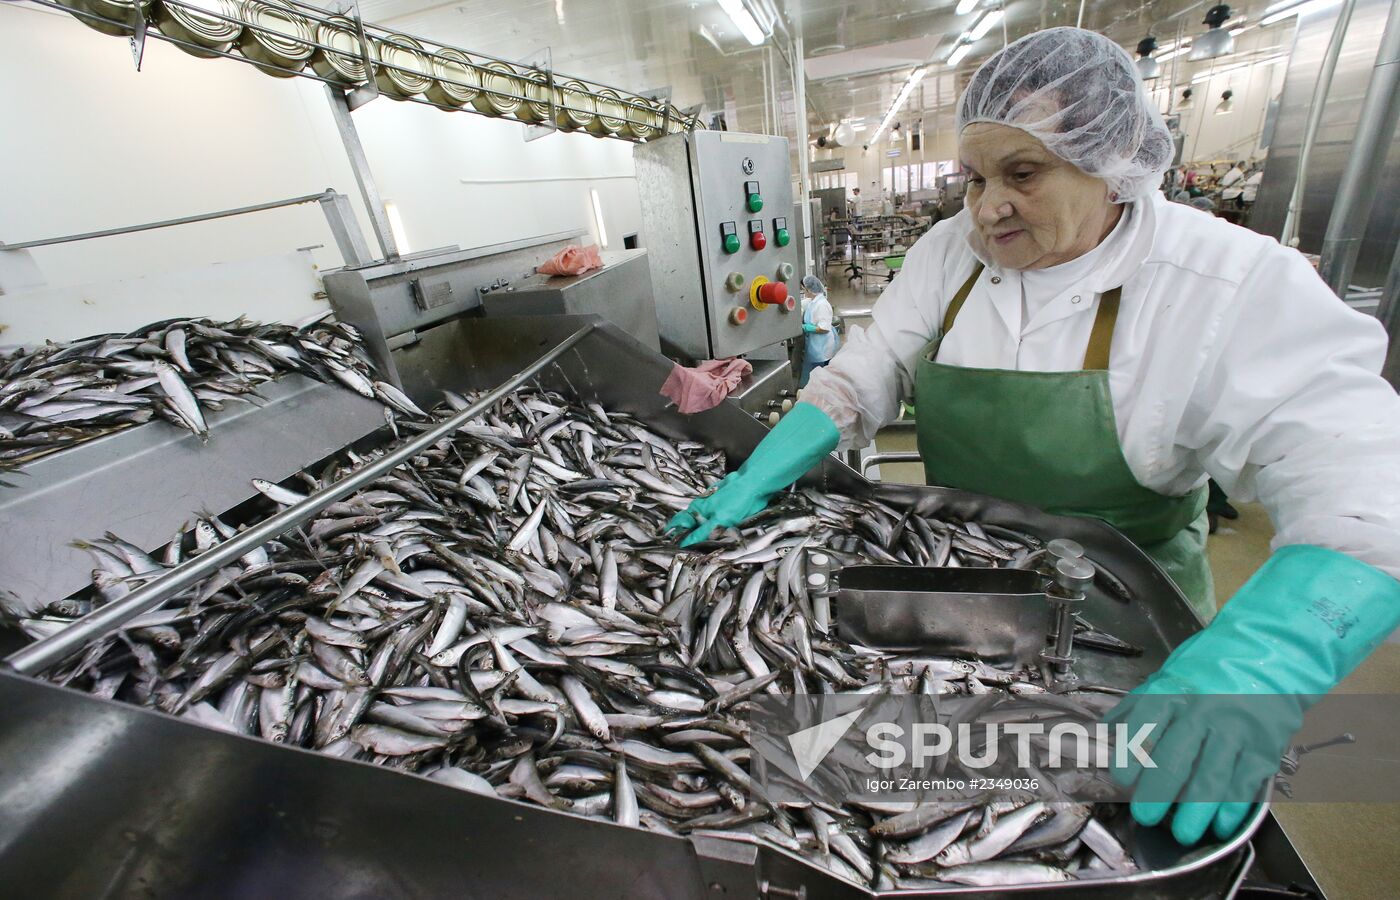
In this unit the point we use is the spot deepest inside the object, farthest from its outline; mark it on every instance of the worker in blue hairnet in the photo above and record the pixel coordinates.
(821, 340)
(1073, 341)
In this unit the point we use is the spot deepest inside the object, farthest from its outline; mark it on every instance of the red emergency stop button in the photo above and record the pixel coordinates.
(764, 293)
(738, 316)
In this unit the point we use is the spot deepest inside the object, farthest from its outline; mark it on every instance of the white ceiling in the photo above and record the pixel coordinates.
(858, 52)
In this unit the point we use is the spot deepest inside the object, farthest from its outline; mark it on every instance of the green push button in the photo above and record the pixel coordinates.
(755, 203)
(731, 243)
(782, 237)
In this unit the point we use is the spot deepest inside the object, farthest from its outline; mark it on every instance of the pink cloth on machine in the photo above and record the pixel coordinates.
(574, 260)
(705, 386)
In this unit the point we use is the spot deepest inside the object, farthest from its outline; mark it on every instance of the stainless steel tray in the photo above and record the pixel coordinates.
(105, 799)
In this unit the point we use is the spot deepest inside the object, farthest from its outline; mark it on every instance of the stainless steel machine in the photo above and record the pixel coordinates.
(410, 309)
(725, 246)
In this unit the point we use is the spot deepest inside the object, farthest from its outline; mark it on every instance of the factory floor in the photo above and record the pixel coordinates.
(1349, 847)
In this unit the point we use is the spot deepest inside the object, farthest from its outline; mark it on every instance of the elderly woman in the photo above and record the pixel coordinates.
(1074, 341)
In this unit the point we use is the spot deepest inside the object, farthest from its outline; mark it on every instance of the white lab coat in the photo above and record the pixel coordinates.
(1231, 183)
(1231, 358)
(820, 345)
(1251, 187)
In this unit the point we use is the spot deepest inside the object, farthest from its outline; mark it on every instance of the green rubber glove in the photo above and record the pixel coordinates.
(809, 328)
(1296, 628)
(796, 444)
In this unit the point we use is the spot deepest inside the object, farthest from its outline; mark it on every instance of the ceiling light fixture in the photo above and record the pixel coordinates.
(1267, 61)
(391, 210)
(984, 25)
(1216, 41)
(962, 49)
(1294, 9)
(710, 37)
(598, 218)
(913, 82)
(965, 7)
(743, 20)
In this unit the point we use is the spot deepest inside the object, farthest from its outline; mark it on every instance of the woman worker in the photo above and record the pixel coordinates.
(1075, 342)
(820, 336)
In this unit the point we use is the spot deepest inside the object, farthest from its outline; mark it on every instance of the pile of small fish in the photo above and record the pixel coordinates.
(61, 394)
(506, 615)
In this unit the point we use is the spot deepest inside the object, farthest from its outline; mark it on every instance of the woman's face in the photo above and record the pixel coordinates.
(1031, 208)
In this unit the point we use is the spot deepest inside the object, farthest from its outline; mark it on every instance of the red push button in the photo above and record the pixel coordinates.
(738, 316)
(773, 292)
(757, 240)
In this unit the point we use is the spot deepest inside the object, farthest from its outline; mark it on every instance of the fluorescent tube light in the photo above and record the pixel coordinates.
(914, 79)
(984, 25)
(1298, 9)
(743, 20)
(598, 218)
(396, 227)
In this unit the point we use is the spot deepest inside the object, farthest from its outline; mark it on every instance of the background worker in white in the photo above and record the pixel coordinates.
(820, 341)
(1112, 351)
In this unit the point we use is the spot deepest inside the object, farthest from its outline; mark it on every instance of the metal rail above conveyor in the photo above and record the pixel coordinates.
(103, 798)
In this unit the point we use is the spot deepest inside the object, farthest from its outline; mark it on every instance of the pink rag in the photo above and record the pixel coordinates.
(573, 260)
(705, 386)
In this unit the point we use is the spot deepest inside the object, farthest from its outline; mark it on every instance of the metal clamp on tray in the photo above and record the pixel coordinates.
(997, 615)
(1000, 616)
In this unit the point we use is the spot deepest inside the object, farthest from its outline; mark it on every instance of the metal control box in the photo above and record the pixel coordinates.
(725, 251)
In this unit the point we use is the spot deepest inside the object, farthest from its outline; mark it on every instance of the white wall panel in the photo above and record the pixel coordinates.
(89, 143)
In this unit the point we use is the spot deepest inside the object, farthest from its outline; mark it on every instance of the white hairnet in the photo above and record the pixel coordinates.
(813, 284)
(1080, 95)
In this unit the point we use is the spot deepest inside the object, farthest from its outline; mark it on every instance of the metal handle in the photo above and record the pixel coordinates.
(336, 207)
(1241, 873)
(184, 220)
(45, 652)
(875, 459)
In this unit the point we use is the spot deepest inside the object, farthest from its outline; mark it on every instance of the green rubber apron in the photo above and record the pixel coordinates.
(1050, 439)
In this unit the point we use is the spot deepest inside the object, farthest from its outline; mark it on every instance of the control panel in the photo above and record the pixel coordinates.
(725, 268)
